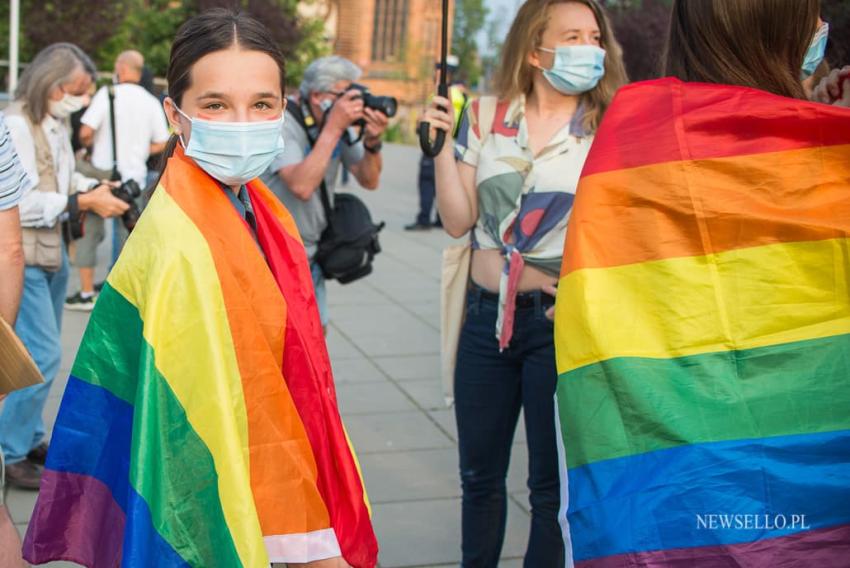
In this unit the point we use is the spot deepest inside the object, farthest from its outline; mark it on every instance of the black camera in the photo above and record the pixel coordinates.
(386, 105)
(128, 192)
(73, 228)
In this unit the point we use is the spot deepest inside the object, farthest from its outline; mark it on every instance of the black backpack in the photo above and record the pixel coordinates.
(349, 244)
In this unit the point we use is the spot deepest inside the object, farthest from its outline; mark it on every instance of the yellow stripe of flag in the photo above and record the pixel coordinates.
(738, 299)
(223, 427)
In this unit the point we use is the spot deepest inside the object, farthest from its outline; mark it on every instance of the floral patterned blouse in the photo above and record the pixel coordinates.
(524, 201)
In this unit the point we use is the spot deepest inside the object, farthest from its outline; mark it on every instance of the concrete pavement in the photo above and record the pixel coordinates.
(384, 345)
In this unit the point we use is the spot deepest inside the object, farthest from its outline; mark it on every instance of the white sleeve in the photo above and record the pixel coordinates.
(160, 124)
(81, 183)
(96, 113)
(37, 209)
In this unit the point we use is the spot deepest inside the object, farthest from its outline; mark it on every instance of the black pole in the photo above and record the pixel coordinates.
(428, 148)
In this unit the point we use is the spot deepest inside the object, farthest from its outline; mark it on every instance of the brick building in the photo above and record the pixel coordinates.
(396, 42)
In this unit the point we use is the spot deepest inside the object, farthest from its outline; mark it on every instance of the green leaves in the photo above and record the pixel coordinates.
(470, 16)
(105, 28)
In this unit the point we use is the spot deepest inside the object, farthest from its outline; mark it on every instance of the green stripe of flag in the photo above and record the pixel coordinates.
(628, 406)
(170, 466)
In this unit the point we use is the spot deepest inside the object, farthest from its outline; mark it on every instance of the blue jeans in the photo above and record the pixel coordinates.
(38, 326)
(320, 290)
(490, 389)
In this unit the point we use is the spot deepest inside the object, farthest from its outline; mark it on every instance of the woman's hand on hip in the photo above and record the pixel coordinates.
(552, 290)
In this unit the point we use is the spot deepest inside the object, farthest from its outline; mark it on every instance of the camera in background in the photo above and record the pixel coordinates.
(128, 192)
(386, 105)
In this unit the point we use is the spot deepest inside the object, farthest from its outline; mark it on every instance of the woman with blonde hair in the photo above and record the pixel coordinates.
(511, 182)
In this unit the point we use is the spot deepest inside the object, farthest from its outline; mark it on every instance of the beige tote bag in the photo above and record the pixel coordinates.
(17, 369)
(454, 282)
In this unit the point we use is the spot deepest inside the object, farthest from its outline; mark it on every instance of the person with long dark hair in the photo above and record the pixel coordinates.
(703, 311)
(200, 426)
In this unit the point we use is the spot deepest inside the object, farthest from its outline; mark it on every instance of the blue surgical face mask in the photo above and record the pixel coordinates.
(577, 68)
(816, 51)
(234, 153)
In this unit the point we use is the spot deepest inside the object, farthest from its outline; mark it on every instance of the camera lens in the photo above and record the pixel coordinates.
(389, 106)
(386, 105)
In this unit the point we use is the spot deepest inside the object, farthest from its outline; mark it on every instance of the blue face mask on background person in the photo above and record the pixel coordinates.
(577, 68)
(816, 51)
(234, 153)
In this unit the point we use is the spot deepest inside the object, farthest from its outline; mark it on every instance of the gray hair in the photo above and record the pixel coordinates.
(321, 75)
(52, 67)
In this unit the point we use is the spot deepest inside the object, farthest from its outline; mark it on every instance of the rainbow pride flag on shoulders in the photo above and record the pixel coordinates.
(200, 426)
(703, 334)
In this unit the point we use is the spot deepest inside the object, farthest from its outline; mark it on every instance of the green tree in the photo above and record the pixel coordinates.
(470, 16)
(86, 23)
(491, 60)
(104, 28)
(149, 27)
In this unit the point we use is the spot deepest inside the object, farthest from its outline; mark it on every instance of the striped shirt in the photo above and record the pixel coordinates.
(13, 178)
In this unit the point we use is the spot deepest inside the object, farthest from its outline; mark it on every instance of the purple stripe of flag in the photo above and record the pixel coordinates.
(89, 508)
(823, 547)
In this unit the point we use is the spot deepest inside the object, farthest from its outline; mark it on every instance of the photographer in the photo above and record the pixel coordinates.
(332, 109)
(52, 87)
(140, 130)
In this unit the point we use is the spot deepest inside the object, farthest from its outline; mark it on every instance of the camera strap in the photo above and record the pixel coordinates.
(115, 175)
(297, 112)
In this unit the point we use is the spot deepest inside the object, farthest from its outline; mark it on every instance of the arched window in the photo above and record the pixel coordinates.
(390, 29)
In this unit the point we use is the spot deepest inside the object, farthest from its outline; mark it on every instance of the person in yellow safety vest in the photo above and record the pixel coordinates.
(427, 187)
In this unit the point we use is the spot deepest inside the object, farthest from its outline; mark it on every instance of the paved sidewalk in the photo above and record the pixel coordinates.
(384, 345)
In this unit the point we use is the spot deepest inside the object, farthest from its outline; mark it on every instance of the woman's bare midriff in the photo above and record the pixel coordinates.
(487, 267)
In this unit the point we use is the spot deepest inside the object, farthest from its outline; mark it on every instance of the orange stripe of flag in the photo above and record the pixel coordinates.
(276, 433)
(700, 207)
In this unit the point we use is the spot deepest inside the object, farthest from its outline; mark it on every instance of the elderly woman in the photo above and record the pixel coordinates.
(52, 87)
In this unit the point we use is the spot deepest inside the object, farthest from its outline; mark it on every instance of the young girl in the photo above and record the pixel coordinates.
(199, 426)
(513, 187)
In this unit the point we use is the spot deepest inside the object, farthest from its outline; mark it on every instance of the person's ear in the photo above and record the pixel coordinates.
(313, 101)
(174, 117)
(533, 58)
(56, 93)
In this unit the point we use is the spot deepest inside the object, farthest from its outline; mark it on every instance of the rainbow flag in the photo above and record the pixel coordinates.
(200, 424)
(703, 334)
